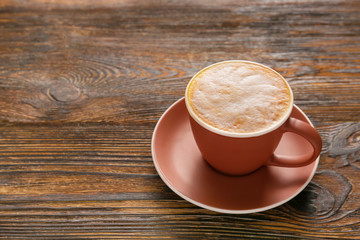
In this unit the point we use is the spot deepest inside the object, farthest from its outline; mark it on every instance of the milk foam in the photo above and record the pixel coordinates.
(239, 97)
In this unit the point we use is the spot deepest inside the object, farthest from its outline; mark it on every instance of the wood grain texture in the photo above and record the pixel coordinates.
(83, 83)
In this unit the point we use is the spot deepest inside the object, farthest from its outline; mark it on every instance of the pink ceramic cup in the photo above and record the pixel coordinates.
(242, 153)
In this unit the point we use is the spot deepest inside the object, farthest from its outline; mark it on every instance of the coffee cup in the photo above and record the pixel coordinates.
(239, 111)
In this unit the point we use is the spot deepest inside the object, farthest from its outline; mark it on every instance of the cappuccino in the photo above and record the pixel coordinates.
(239, 96)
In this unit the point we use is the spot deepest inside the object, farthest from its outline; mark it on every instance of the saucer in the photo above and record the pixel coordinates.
(180, 165)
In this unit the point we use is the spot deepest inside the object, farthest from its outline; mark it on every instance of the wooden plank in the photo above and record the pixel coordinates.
(83, 83)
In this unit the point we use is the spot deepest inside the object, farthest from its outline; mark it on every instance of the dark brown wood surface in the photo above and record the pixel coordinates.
(83, 83)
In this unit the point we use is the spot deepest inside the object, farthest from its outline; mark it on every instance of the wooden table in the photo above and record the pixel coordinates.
(83, 83)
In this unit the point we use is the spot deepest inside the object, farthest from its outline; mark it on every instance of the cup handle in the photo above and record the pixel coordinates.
(309, 133)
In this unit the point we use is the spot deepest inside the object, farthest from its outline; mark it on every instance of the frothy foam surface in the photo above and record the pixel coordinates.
(239, 97)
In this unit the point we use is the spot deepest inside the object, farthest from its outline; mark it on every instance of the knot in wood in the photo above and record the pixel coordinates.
(64, 92)
(346, 141)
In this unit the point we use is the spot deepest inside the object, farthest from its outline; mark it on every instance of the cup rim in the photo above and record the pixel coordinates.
(237, 134)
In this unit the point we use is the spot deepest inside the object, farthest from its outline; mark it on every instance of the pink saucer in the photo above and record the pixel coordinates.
(181, 166)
